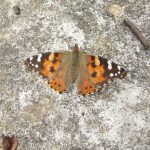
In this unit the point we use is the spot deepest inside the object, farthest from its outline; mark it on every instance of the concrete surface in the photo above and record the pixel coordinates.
(117, 118)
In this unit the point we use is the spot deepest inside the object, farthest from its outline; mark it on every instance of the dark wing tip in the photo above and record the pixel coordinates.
(123, 73)
(26, 62)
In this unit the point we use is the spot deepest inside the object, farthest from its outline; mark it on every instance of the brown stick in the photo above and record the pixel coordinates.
(137, 33)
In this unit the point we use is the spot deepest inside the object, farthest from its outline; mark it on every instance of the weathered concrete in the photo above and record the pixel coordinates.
(118, 117)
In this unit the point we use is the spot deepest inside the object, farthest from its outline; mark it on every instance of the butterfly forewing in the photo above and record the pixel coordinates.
(99, 67)
(45, 63)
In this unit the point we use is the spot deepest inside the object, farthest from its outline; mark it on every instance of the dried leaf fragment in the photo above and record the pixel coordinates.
(115, 10)
(9, 142)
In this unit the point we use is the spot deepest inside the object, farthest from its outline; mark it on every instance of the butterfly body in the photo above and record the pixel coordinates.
(74, 64)
(64, 68)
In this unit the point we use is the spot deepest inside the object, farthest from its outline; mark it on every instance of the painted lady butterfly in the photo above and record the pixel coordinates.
(64, 68)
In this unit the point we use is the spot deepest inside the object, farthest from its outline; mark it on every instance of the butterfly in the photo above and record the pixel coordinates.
(65, 68)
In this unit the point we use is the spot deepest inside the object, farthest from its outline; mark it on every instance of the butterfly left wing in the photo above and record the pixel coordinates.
(95, 71)
(54, 67)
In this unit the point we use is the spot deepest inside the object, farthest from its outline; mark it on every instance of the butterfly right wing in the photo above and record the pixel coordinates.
(100, 69)
(95, 71)
(54, 67)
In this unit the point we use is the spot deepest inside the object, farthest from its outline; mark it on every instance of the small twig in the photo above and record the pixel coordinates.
(137, 33)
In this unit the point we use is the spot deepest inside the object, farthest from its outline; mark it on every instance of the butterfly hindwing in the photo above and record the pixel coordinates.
(62, 80)
(84, 86)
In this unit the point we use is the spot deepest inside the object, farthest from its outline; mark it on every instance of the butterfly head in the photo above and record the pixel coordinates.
(76, 48)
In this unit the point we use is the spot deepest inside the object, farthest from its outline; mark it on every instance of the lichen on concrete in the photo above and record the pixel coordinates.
(117, 117)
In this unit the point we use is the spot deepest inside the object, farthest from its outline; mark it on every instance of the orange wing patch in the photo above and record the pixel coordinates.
(87, 88)
(46, 69)
(95, 75)
(58, 85)
(98, 75)
(51, 65)
(96, 70)
(53, 56)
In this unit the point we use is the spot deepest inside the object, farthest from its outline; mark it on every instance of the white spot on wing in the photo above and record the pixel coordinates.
(119, 72)
(36, 66)
(116, 74)
(119, 67)
(32, 64)
(31, 58)
(109, 64)
(39, 57)
(111, 74)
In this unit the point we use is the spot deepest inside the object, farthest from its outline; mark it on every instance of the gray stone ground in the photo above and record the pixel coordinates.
(117, 118)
